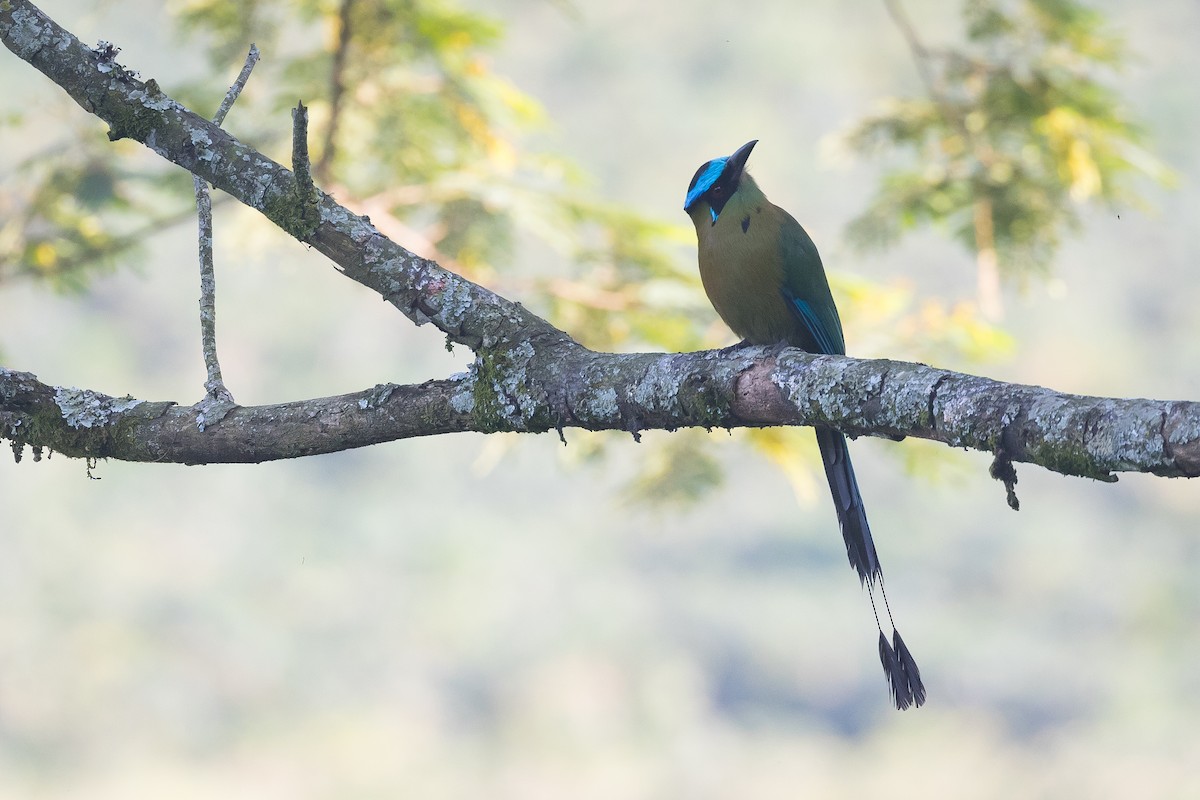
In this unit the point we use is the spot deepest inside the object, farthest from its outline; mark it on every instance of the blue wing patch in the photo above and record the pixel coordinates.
(813, 323)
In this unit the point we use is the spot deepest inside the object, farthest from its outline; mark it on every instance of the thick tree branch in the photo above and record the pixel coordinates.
(574, 387)
(529, 376)
(87, 424)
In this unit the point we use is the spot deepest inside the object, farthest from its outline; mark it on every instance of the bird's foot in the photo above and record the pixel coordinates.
(772, 352)
(735, 348)
(778, 348)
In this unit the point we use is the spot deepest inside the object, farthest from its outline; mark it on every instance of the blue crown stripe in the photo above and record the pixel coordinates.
(705, 181)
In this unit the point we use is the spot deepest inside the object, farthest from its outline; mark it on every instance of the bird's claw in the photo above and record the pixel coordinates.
(735, 348)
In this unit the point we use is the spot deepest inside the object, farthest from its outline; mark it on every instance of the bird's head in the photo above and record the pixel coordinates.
(715, 182)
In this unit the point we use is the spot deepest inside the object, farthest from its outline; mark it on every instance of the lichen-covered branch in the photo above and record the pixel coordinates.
(568, 386)
(528, 376)
(82, 423)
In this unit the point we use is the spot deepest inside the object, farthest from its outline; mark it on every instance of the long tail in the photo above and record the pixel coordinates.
(904, 678)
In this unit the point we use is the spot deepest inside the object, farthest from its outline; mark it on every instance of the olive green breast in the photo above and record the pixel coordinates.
(742, 272)
(745, 269)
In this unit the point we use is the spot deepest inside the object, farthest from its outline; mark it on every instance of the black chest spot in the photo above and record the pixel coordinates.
(746, 224)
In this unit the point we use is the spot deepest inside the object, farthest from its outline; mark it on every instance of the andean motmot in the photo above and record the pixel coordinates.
(765, 279)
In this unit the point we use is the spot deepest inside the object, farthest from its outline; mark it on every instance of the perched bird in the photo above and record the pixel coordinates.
(763, 275)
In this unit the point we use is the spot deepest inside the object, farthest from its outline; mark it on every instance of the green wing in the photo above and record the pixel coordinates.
(807, 291)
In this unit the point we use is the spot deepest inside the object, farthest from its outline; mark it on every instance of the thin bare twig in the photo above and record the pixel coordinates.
(214, 386)
(239, 84)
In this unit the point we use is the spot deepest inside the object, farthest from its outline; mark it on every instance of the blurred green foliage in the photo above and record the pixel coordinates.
(1015, 132)
(70, 213)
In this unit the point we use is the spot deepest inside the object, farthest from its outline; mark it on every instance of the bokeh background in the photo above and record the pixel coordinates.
(501, 617)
